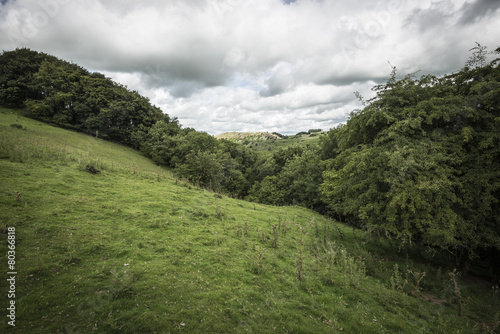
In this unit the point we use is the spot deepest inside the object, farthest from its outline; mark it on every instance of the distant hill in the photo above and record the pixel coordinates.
(240, 136)
(265, 141)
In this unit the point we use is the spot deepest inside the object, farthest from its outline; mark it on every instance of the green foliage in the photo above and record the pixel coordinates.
(67, 95)
(290, 176)
(421, 163)
(279, 134)
(203, 168)
(17, 69)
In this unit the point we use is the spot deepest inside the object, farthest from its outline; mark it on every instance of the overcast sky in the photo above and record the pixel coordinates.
(254, 65)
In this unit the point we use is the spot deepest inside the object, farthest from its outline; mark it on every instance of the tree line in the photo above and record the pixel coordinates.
(419, 163)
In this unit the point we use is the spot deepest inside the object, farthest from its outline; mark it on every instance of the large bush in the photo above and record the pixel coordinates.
(421, 161)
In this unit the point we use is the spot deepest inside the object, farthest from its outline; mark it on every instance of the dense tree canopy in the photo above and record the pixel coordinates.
(290, 176)
(67, 95)
(16, 74)
(421, 161)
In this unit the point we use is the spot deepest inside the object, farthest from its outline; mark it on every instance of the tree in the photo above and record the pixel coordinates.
(420, 162)
(293, 178)
(16, 73)
(55, 84)
(203, 168)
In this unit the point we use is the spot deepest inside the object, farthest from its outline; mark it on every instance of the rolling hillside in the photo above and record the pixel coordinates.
(270, 142)
(108, 242)
(254, 136)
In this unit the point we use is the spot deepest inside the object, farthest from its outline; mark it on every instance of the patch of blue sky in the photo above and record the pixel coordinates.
(245, 81)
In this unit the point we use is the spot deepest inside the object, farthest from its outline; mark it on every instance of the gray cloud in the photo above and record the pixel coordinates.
(280, 81)
(476, 10)
(238, 65)
(433, 18)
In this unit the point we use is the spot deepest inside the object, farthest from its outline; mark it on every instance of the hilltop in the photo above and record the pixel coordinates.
(265, 141)
(131, 248)
(240, 136)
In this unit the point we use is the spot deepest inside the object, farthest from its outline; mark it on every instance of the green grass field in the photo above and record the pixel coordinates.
(133, 249)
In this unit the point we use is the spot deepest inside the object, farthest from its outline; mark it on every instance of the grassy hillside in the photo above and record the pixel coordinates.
(269, 142)
(133, 249)
(242, 136)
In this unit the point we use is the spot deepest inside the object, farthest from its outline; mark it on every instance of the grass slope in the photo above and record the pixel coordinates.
(133, 249)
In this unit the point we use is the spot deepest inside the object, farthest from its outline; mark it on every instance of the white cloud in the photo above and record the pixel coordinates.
(235, 65)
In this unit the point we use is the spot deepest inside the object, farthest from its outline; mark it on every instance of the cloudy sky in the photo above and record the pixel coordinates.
(254, 65)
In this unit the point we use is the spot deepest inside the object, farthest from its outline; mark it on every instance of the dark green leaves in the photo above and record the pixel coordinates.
(421, 161)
